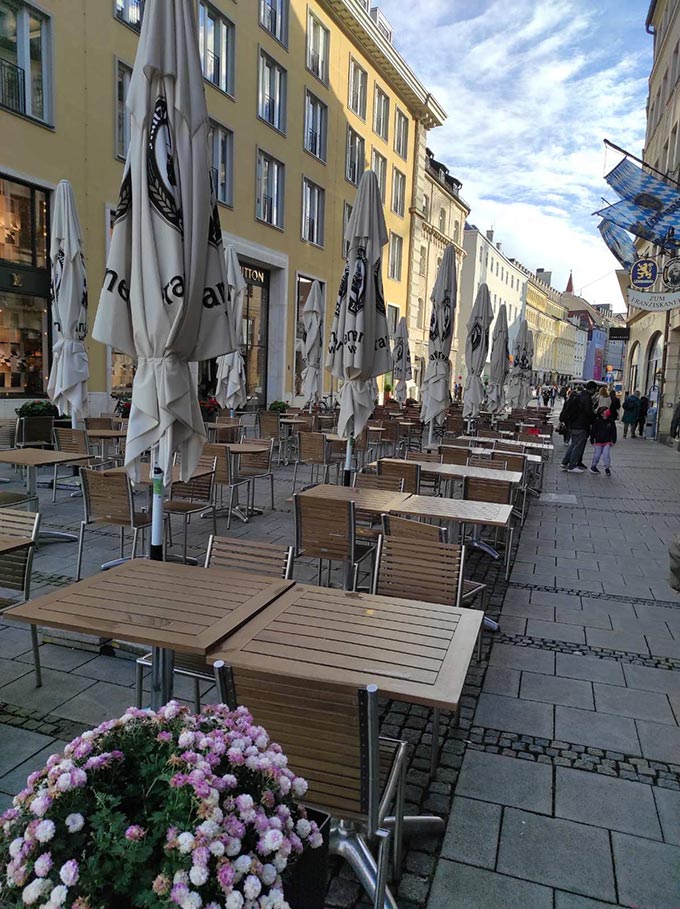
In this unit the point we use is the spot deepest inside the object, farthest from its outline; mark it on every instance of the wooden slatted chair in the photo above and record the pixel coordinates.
(16, 566)
(391, 438)
(432, 484)
(491, 463)
(108, 499)
(454, 455)
(98, 422)
(230, 433)
(352, 773)
(326, 530)
(497, 492)
(34, 432)
(410, 529)
(254, 467)
(75, 441)
(223, 552)
(517, 463)
(373, 481)
(194, 496)
(408, 471)
(312, 452)
(224, 478)
(488, 434)
(511, 449)
(269, 423)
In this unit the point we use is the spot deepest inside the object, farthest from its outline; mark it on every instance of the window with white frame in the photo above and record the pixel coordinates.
(316, 126)
(274, 18)
(394, 258)
(271, 105)
(354, 166)
(130, 12)
(401, 134)
(358, 89)
(398, 192)
(318, 41)
(25, 60)
(270, 189)
(421, 313)
(313, 204)
(221, 142)
(379, 168)
(381, 114)
(123, 75)
(456, 231)
(392, 318)
(216, 45)
(346, 215)
(423, 260)
(426, 207)
(442, 220)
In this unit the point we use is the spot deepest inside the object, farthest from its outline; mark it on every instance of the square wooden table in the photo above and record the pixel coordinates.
(9, 543)
(461, 471)
(367, 501)
(169, 606)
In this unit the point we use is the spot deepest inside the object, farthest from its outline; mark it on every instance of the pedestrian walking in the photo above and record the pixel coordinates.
(631, 414)
(577, 415)
(545, 395)
(642, 416)
(553, 395)
(603, 437)
(614, 404)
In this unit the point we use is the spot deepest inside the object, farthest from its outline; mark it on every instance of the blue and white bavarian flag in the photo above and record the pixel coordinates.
(619, 242)
(649, 209)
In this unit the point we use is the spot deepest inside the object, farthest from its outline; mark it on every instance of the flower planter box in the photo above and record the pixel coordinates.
(306, 881)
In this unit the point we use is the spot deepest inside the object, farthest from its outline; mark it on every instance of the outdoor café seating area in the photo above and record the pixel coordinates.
(310, 600)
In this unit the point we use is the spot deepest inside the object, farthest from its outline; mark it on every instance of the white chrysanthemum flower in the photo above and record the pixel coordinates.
(58, 895)
(44, 831)
(34, 891)
(252, 887)
(234, 901)
(300, 786)
(303, 828)
(268, 875)
(180, 877)
(74, 823)
(192, 901)
(233, 848)
(242, 864)
(15, 846)
(185, 842)
(198, 875)
(217, 848)
(64, 782)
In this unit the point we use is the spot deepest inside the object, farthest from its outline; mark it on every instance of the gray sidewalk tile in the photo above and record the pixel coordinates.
(54, 656)
(18, 745)
(668, 807)
(513, 715)
(15, 780)
(647, 873)
(57, 687)
(506, 781)
(608, 802)
(616, 640)
(14, 639)
(659, 742)
(593, 669)
(459, 886)
(472, 832)
(502, 681)
(513, 624)
(641, 705)
(556, 631)
(510, 656)
(597, 730)
(529, 611)
(545, 598)
(114, 669)
(641, 626)
(649, 679)
(663, 647)
(589, 617)
(555, 690)
(98, 703)
(558, 853)
(12, 669)
(572, 901)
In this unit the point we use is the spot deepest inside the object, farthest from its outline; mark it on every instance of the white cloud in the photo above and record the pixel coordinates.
(531, 90)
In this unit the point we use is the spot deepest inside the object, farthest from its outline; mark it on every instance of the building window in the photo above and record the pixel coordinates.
(442, 220)
(270, 183)
(354, 167)
(398, 192)
(423, 260)
(394, 258)
(401, 134)
(216, 44)
(379, 168)
(392, 318)
(272, 93)
(426, 207)
(346, 215)
(25, 66)
(222, 160)
(318, 40)
(381, 114)
(130, 12)
(358, 88)
(456, 231)
(313, 203)
(274, 18)
(123, 75)
(421, 313)
(316, 126)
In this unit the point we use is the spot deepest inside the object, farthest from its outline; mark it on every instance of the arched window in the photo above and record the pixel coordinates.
(442, 220)
(654, 361)
(421, 313)
(633, 366)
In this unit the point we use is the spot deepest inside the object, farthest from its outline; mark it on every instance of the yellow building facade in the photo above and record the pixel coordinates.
(303, 95)
(554, 336)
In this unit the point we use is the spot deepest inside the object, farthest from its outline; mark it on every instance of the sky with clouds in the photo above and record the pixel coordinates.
(531, 90)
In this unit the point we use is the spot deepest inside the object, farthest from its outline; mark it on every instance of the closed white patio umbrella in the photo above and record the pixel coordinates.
(401, 361)
(67, 384)
(500, 361)
(312, 321)
(476, 350)
(359, 346)
(164, 295)
(231, 390)
(519, 382)
(436, 388)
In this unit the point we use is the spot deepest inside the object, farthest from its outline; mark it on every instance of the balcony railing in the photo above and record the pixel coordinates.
(315, 63)
(267, 209)
(269, 109)
(310, 230)
(270, 19)
(212, 67)
(314, 142)
(12, 87)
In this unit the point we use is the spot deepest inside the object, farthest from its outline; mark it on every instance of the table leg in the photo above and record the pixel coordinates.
(46, 536)
(163, 662)
(352, 847)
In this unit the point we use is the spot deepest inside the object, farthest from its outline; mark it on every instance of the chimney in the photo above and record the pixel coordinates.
(499, 246)
(489, 235)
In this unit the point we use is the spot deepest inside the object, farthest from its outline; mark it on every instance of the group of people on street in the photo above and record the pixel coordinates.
(635, 410)
(589, 414)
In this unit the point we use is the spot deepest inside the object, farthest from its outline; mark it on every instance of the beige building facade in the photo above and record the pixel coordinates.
(303, 95)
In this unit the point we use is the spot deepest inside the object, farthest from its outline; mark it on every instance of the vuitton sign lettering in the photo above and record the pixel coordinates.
(252, 275)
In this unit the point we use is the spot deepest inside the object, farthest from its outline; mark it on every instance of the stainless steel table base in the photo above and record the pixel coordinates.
(56, 536)
(161, 676)
(353, 848)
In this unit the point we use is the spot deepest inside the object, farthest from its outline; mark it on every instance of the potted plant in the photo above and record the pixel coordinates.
(209, 409)
(279, 406)
(123, 405)
(172, 809)
(387, 391)
(40, 408)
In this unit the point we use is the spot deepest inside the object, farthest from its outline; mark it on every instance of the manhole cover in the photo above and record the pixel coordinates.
(555, 498)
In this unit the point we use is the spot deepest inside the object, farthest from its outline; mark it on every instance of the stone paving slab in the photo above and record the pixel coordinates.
(555, 690)
(647, 873)
(473, 831)
(642, 705)
(592, 669)
(494, 778)
(597, 729)
(459, 886)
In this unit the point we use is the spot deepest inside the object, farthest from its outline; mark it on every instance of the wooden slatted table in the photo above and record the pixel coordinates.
(368, 501)
(417, 652)
(461, 471)
(9, 544)
(105, 436)
(169, 606)
(543, 446)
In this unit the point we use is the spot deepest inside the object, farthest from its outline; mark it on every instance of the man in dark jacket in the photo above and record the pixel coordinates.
(577, 416)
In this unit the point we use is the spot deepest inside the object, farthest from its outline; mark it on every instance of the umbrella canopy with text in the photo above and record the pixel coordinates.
(231, 390)
(476, 350)
(401, 360)
(500, 361)
(67, 384)
(436, 390)
(519, 383)
(164, 299)
(312, 321)
(359, 346)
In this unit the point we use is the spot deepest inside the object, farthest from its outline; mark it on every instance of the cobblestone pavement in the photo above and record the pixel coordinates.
(561, 782)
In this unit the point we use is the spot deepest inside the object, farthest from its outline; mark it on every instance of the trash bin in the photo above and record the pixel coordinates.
(650, 423)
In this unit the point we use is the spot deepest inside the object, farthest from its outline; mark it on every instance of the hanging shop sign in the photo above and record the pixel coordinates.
(653, 302)
(644, 273)
(671, 273)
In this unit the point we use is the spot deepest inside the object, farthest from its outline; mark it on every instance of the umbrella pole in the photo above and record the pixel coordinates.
(430, 434)
(162, 659)
(156, 548)
(347, 477)
(74, 419)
